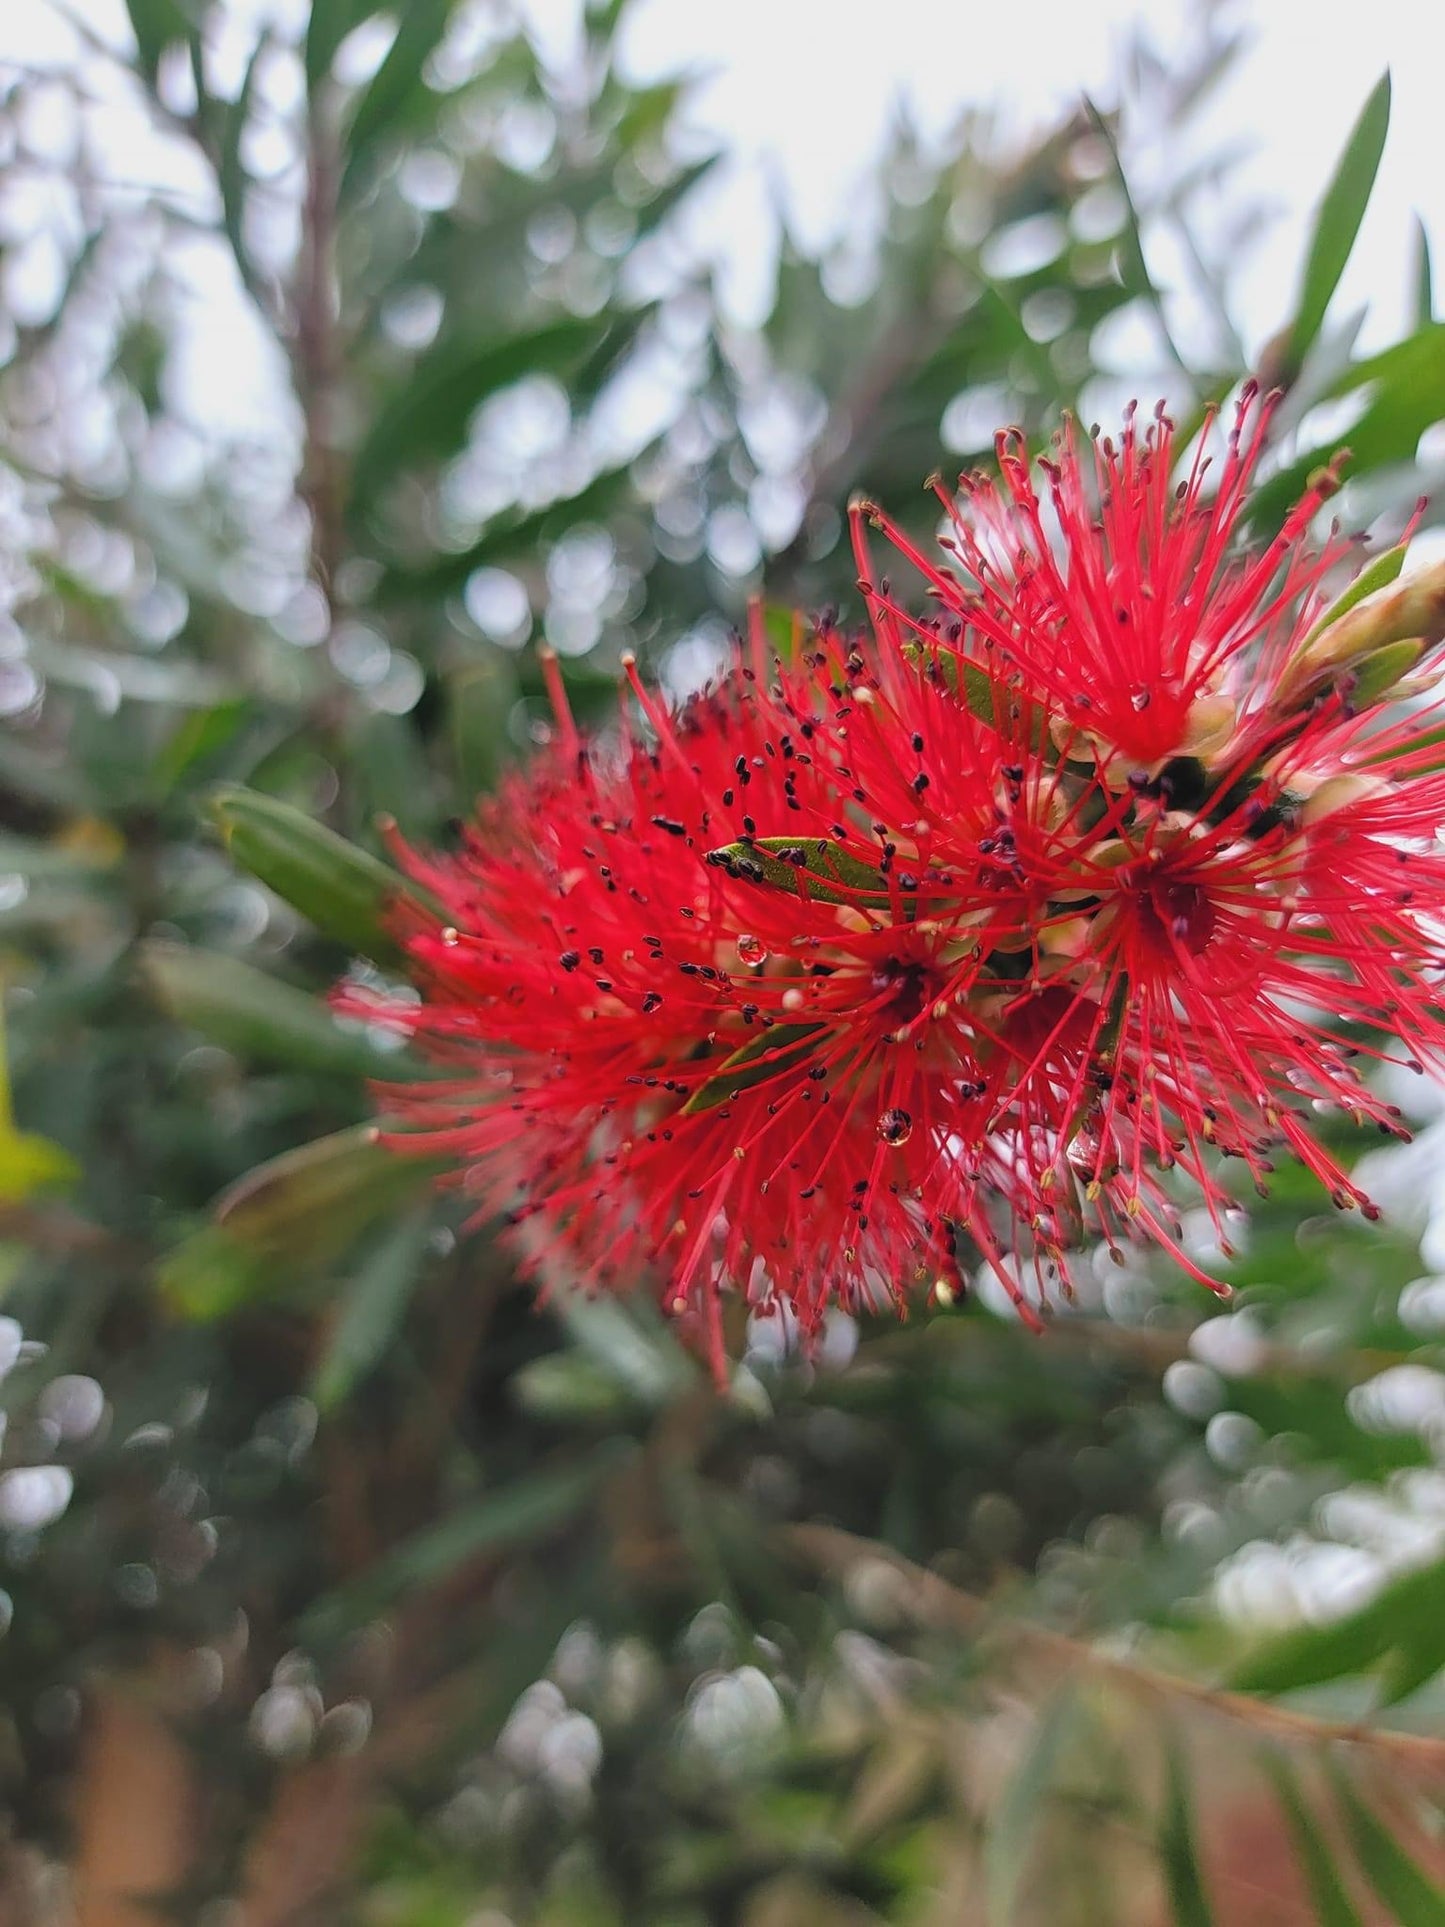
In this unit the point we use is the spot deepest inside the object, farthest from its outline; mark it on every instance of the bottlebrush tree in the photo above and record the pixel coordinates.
(548, 889)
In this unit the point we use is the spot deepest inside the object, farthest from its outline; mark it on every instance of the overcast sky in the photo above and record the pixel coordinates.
(802, 94)
(805, 91)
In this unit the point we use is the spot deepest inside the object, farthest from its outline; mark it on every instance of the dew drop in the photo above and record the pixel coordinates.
(752, 950)
(895, 1127)
(451, 936)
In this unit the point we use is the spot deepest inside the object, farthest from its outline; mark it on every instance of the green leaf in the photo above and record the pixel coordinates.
(1332, 1904)
(1177, 1851)
(345, 892)
(1400, 1633)
(630, 1343)
(156, 24)
(373, 1308)
(398, 87)
(255, 1015)
(287, 1220)
(1338, 222)
(814, 867)
(1381, 671)
(197, 737)
(426, 419)
(1377, 574)
(212, 1273)
(1015, 1820)
(349, 1171)
(230, 173)
(329, 23)
(30, 1163)
(1410, 1894)
(1424, 304)
(1408, 384)
(515, 1515)
(968, 679)
(765, 1056)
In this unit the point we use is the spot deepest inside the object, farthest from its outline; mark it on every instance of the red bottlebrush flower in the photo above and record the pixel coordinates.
(1116, 595)
(980, 923)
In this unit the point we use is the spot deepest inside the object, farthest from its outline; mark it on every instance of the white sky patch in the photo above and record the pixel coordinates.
(803, 100)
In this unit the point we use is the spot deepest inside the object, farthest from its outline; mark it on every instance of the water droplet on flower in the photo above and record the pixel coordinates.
(752, 950)
(451, 936)
(895, 1127)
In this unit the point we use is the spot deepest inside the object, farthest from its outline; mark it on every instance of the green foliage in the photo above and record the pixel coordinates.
(580, 1640)
(1338, 223)
(1328, 1895)
(345, 893)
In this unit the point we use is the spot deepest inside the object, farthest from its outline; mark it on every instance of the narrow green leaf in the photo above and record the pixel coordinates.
(329, 23)
(516, 1515)
(1338, 222)
(1379, 573)
(398, 87)
(230, 173)
(197, 737)
(31, 1163)
(345, 892)
(427, 417)
(255, 1015)
(373, 1308)
(1410, 1894)
(565, 1387)
(765, 1056)
(1408, 396)
(1359, 1643)
(1332, 1904)
(287, 1220)
(1373, 678)
(1424, 304)
(1015, 1820)
(348, 1172)
(785, 628)
(1426, 739)
(1177, 1851)
(962, 677)
(814, 867)
(212, 1273)
(156, 24)
(629, 1342)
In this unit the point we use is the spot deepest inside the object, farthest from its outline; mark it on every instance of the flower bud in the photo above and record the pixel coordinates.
(1411, 611)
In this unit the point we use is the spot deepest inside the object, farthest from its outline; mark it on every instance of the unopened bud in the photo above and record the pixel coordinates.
(1338, 793)
(1208, 727)
(1409, 612)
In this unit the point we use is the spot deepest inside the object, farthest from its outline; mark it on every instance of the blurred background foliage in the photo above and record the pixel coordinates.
(341, 1583)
